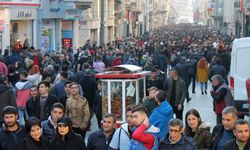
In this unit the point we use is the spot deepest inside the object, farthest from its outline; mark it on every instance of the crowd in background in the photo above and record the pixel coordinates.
(49, 98)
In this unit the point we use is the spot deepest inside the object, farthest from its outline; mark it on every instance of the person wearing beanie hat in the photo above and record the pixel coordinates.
(11, 133)
(66, 138)
(34, 139)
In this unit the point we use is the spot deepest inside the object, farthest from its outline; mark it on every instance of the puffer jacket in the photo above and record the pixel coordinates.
(121, 138)
(203, 136)
(186, 143)
(23, 93)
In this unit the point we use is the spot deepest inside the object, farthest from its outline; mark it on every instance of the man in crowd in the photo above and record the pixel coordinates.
(221, 95)
(7, 95)
(77, 108)
(59, 86)
(49, 126)
(145, 136)
(223, 133)
(22, 96)
(176, 92)
(12, 133)
(161, 114)
(64, 98)
(122, 136)
(32, 105)
(175, 138)
(149, 101)
(101, 139)
(46, 100)
(242, 140)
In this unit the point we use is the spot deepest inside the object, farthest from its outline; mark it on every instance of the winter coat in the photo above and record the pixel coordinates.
(217, 70)
(29, 144)
(186, 143)
(180, 90)
(7, 98)
(33, 107)
(48, 129)
(35, 78)
(202, 74)
(59, 88)
(216, 136)
(3, 69)
(149, 104)
(183, 71)
(10, 140)
(121, 138)
(99, 66)
(98, 141)
(202, 136)
(139, 145)
(78, 111)
(232, 145)
(72, 141)
(89, 87)
(23, 93)
(161, 116)
(222, 97)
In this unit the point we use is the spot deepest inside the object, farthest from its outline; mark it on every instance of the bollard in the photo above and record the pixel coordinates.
(248, 94)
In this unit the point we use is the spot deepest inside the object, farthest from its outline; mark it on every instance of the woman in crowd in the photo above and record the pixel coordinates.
(66, 138)
(34, 75)
(202, 74)
(197, 129)
(34, 139)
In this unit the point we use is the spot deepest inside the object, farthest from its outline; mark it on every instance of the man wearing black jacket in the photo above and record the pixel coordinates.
(242, 140)
(11, 133)
(223, 133)
(46, 101)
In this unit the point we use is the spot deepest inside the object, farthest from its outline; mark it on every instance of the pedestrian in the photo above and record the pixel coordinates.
(77, 109)
(198, 130)
(161, 114)
(242, 139)
(175, 139)
(154, 81)
(65, 137)
(176, 92)
(11, 133)
(49, 126)
(98, 104)
(149, 102)
(22, 88)
(34, 139)
(33, 104)
(217, 69)
(145, 136)
(67, 90)
(223, 133)
(122, 136)
(46, 100)
(202, 74)
(221, 95)
(59, 86)
(100, 140)
(7, 95)
(34, 75)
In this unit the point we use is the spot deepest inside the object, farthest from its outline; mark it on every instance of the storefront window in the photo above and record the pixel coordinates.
(46, 39)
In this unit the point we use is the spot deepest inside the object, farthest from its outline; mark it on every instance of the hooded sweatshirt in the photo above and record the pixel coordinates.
(161, 116)
(23, 92)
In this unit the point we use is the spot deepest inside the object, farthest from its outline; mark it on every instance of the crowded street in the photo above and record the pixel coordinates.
(124, 75)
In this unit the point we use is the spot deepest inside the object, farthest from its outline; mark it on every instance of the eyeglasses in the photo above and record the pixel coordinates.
(174, 130)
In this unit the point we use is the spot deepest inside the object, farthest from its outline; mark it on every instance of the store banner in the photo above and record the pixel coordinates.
(23, 14)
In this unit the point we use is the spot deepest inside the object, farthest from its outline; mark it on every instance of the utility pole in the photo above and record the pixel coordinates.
(102, 24)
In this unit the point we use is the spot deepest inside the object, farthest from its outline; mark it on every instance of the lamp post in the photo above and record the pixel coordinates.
(102, 24)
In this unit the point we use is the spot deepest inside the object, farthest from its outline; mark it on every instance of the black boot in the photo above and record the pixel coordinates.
(202, 92)
(205, 91)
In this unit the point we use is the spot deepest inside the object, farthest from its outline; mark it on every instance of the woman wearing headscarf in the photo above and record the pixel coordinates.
(34, 75)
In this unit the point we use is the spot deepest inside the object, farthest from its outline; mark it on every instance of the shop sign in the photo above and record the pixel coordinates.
(23, 14)
(73, 14)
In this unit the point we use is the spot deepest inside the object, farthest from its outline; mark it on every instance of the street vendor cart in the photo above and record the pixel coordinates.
(122, 85)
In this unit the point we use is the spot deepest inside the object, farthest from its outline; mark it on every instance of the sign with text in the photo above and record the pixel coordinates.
(23, 14)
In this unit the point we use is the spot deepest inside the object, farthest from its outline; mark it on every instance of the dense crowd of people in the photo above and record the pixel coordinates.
(48, 99)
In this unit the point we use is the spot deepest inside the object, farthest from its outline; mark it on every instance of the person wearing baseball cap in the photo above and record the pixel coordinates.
(66, 138)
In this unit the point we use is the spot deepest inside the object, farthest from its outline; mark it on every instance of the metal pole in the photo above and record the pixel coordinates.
(102, 24)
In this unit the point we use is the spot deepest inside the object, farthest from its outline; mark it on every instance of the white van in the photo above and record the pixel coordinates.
(239, 73)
